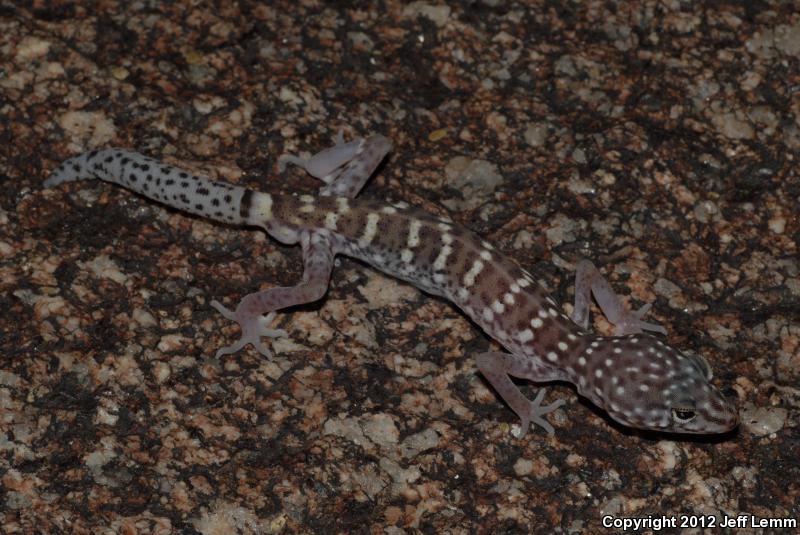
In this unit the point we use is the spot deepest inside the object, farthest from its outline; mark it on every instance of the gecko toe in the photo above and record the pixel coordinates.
(222, 309)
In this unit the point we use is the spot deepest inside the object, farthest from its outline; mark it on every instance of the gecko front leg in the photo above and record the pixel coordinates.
(497, 367)
(589, 281)
(317, 264)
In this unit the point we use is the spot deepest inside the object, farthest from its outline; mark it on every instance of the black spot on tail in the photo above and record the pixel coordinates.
(244, 207)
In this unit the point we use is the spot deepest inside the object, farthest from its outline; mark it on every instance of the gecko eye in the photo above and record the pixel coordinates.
(683, 416)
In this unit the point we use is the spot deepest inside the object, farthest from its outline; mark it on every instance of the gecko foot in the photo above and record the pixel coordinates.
(536, 412)
(632, 323)
(253, 328)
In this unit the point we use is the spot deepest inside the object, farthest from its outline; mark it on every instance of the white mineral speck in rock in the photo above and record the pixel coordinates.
(763, 420)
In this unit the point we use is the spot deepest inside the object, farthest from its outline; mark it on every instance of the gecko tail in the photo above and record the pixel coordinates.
(158, 181)
(76, 168)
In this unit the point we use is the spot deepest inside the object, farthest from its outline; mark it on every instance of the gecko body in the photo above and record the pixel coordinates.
(637, 378)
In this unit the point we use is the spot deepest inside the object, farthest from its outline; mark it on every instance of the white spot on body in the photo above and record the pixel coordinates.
(536, 323)
(413, 233)
(474, 271)
(441, 260)
(407, 256)
(486, 255)
(552, 356)
(562, 346)
(509, 299)
(582, 361)
(342, 205)
(331, 219)
(370, 229)
(526, 336)
(488, 315)
(389, 210)
(498, 307)
(262, 207)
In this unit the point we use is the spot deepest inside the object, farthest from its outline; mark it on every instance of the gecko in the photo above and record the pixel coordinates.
(634, 376)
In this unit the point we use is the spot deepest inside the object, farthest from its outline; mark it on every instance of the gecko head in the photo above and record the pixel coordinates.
(646, 384)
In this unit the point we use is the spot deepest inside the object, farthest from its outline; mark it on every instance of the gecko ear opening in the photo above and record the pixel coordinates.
(701, 364)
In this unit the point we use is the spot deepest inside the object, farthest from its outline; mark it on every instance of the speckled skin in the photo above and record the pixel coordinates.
(638, 379)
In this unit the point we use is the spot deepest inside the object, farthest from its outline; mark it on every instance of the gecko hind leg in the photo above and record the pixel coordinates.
(589, 281)
(317, 264)
(345, 167)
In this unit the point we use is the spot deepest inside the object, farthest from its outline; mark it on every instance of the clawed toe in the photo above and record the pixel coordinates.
(253, 328)
(632, 323)
(222, 309)
(233, 348)
(264, 330)
(536, 412)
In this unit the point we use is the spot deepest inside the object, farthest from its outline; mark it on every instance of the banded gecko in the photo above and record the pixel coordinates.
(639, 380)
